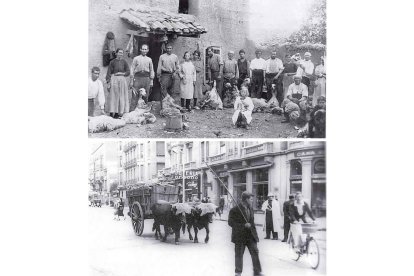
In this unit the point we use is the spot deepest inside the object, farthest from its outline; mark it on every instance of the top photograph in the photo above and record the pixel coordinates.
(207, 69)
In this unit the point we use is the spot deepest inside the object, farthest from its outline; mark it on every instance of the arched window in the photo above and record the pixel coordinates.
(319, 166)
(295, 167)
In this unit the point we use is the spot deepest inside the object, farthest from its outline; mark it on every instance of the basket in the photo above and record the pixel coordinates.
(308, 228)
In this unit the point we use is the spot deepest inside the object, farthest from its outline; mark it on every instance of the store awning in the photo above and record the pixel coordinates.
(160, 21)
(252, 167)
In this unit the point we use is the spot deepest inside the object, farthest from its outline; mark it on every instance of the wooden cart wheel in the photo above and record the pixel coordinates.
(137, 218)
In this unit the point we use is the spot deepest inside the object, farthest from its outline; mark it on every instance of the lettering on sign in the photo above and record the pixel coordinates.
(309, 153)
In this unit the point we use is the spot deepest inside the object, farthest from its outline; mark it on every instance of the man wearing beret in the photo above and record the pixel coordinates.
(244, 234)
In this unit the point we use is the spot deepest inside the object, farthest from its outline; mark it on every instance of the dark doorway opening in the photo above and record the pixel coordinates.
(183, 6)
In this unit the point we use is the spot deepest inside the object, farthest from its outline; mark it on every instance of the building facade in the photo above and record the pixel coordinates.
(98, 173)
(226, 22)
(258, 167)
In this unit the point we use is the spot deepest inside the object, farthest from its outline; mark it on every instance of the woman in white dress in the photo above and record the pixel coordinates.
(188, 80)
(320, 89)
(243, 109)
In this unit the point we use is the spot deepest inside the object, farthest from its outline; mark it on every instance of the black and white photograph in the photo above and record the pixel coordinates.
(192, 207)
(207, 69)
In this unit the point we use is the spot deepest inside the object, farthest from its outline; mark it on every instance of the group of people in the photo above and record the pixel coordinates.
(244, 233)
(286, 84)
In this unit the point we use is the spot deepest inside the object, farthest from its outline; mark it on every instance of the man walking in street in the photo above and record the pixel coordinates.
(142, 75)
(215, 69)
(287, 207)
(230, 70)
(274, 69)
(168, 67)
(95, 90)
(257, 75)
(244, 68)
(244, 234)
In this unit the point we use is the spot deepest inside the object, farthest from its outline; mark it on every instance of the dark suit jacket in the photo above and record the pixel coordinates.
(287, 205)
(239, 233)
(294, 214)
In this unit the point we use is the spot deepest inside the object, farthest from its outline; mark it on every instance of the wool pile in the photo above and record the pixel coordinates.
(206, 208)
(182, 208)
(104, 123)
(169, 108)
(139, 116)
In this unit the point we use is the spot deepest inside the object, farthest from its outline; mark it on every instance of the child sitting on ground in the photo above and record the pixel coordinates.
(243, 109)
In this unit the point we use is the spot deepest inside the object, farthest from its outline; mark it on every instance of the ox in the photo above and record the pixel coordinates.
(165, 214)
(201, 216)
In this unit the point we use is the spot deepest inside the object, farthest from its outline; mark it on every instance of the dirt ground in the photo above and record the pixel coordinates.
(208, 124)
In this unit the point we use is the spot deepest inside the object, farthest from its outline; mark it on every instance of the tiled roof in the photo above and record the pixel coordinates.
(157, 20)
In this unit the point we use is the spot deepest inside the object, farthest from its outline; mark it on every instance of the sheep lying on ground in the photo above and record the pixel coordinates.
(169, 108)
(139, 116)
(212, 99)
(104, 123)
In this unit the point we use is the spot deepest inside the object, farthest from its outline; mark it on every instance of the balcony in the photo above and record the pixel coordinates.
(129, 146)
(217, 158)
(259, 149)
(190, 165)
(130, 163)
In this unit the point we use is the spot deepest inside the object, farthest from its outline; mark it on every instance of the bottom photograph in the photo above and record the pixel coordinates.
(197, 207)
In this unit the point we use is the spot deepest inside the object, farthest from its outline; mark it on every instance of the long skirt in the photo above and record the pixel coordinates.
(198, 89)
(320, 90)
(118, 101)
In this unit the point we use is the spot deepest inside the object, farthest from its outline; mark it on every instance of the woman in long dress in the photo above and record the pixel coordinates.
(198, 89)
(243, 109)
(118, 70)
(320, 89)
(188, 80)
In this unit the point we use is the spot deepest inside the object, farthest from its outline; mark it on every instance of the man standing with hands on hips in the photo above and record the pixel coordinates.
(244, 234)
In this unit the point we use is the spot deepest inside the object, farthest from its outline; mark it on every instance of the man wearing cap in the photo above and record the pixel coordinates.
(298, 94)
(241, 220)
(257, 74)
(230, 70)
(287, 207)
(274, 69)
(306, 68)
(273, 218)
(215, 69)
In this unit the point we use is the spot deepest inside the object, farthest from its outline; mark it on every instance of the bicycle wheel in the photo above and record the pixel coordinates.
(293, 250)
(312, 253)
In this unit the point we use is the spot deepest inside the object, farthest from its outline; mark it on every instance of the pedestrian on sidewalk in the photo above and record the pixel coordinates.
(287, 205)
(244, 234)
(273, 217)
(120, 209)
(221, 206)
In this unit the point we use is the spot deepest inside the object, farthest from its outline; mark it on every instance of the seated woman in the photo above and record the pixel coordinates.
(243, 109)
(169, 108)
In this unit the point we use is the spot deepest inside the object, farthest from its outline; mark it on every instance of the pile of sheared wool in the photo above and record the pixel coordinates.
(104, 123)
(206, 208)
(182, 208)
(259, 102)
(139, 116)
(290, 107)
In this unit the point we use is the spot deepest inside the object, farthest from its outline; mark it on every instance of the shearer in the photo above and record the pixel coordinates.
(298, 94)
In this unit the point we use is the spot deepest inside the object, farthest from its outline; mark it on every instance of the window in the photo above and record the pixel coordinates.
(203, 152)
(295, 167)
(216, 50)
(142, 172)
(160, 148)
(207, 149)
(183, 6)
(141, 151)
(240, 177)
(190, 155)
(160, 166)
(261, 175)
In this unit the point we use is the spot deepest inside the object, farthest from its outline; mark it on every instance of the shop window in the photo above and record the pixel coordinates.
(261, 192)
(223, 190)
(183, 6)
(295, 167)
(319, 166)
(240, 177)
(261, 175)
(295, 187)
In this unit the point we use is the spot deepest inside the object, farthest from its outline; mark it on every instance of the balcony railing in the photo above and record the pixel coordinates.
(129, 146)
(217, 158)
(131, 163)
(190, 165)
(258, 149)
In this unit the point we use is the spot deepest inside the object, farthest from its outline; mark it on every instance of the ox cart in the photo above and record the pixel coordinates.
(141, 198)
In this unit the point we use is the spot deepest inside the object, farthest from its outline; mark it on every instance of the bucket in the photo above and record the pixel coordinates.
(174, 122)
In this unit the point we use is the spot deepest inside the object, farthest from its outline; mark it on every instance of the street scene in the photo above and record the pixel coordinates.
(207, 69)
(144, 194)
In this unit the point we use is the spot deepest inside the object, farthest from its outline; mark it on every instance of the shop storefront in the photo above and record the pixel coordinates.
(260, 187)
(192, 184)
(239, 184)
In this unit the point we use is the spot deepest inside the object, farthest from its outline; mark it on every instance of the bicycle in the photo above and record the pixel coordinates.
(301, 243)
